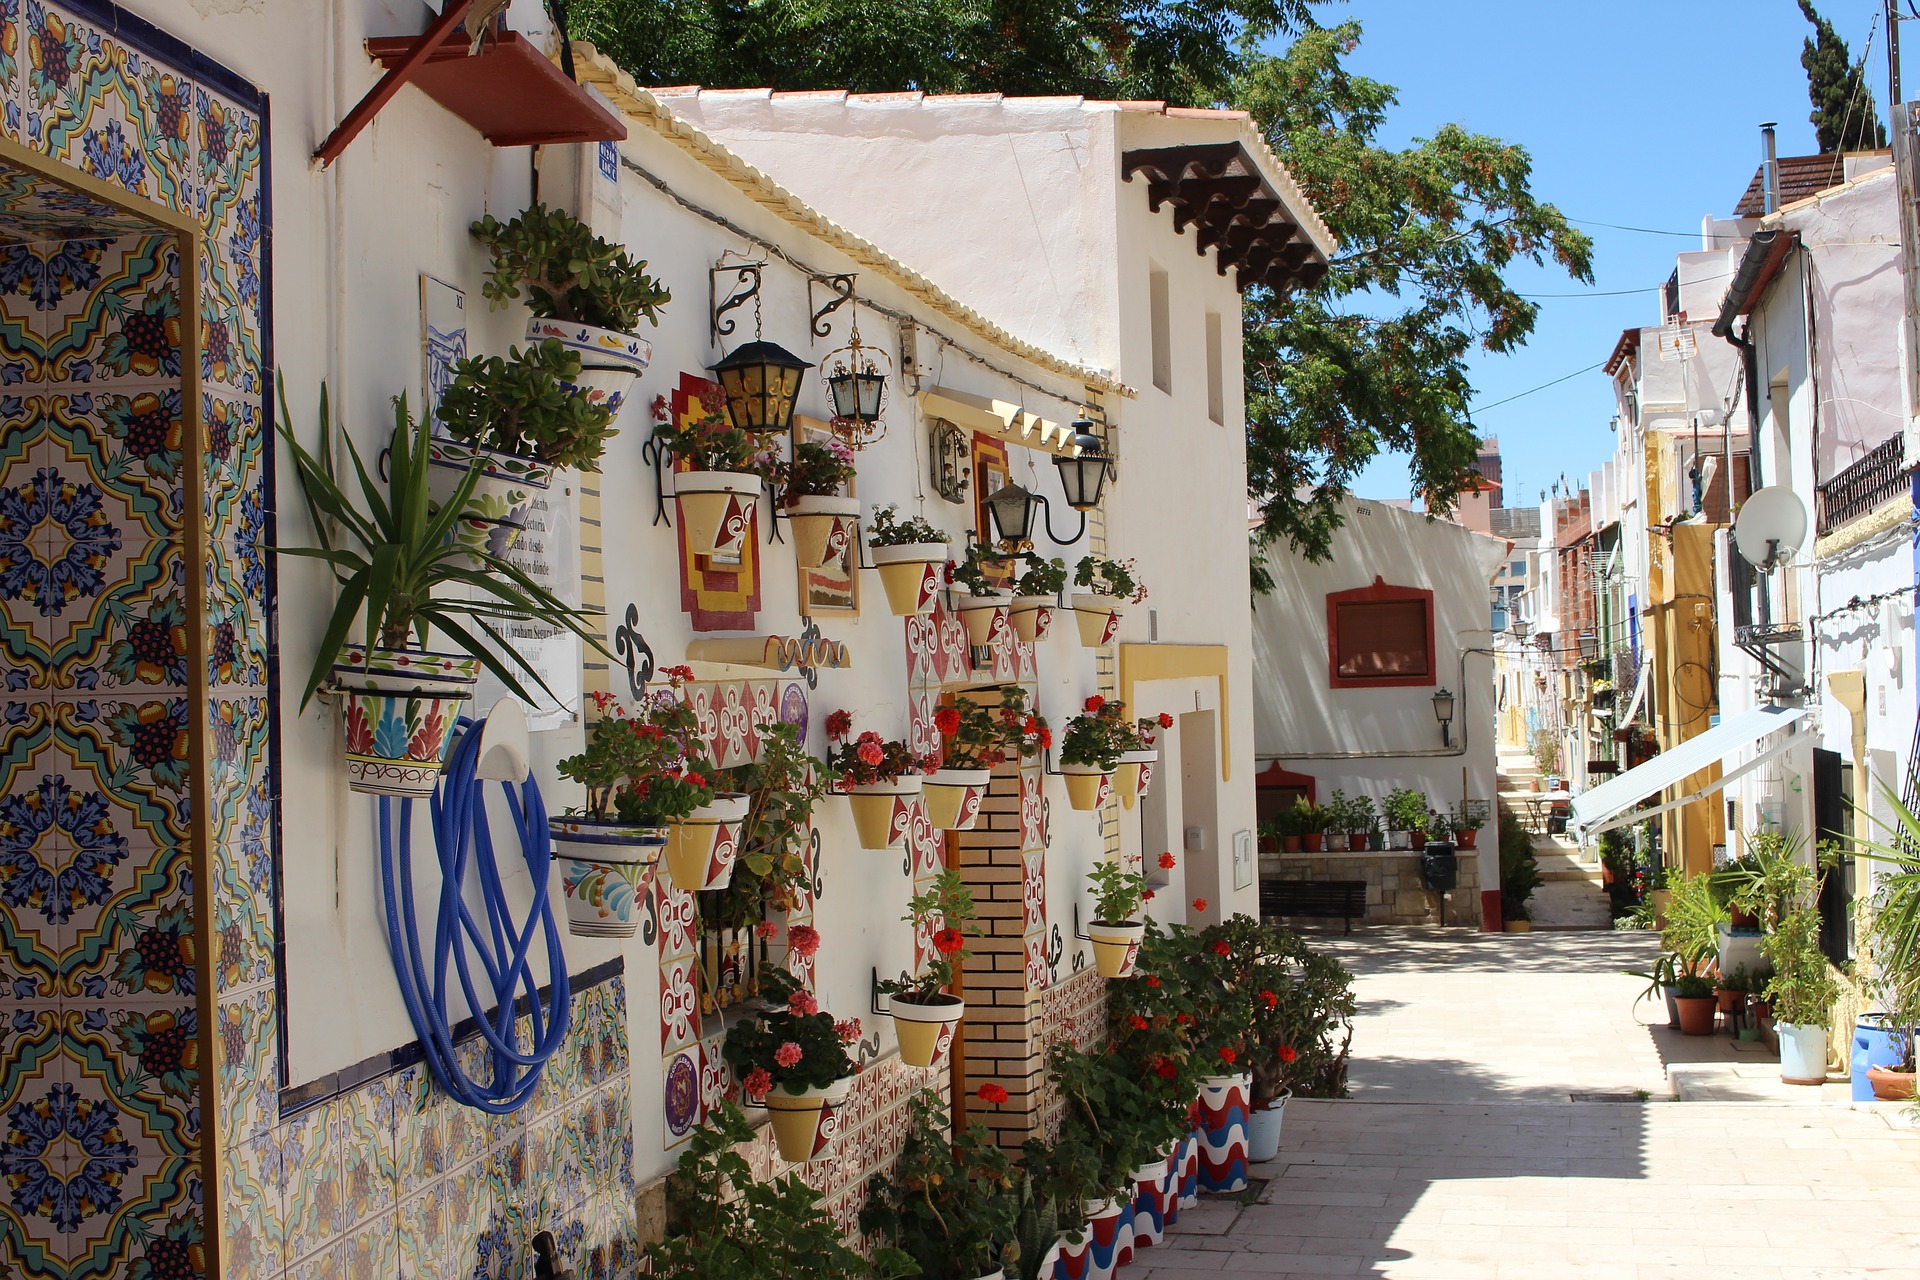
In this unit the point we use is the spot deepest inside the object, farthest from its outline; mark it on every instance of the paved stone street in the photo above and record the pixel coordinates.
(1463, 1154)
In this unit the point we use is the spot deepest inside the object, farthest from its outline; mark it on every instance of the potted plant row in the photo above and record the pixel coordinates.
(925, 1010)
(908, 555)
(1098, 742)
(402, 580)
(880, 778)
(979, 731)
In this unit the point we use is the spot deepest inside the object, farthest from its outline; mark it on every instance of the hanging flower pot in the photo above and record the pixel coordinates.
(1088, 785)
(1130, 779)
(397, 711)
(1032, 617)
(1116, 946)
(797, 1120)
(926, 1029)
(880, 810)
(603, 871)
(610, 360)
(822, 528)
(984, 616)
(496, 511)
(910, 572)
(715, 506)
(953, 797)
(701, 846)
(1098, 616)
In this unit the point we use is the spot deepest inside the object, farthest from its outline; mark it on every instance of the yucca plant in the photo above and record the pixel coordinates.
(1893, 928)
(394, 558)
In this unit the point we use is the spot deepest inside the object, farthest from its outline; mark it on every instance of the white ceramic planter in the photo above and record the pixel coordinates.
(953, 797)
(603, 872)
(495, 513)
(1098, 617)
(397, 713)
(1263, 1129)
(823, 528)
(879, 810)
(716, 507)
(609, 360)
(1032, 617)
(1803, 1053)
(1116, 946)
(910, 572)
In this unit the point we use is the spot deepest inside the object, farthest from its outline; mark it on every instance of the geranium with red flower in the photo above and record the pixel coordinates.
(943, 914)
(646, 767)
(983, 728)
(790, 1044)
(1168, 862)
(992, 1094)
(803, 939)
(869, 759)
(1100, 735)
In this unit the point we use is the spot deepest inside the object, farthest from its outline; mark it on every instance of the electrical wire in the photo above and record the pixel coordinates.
(463, 839)
(1542, 387)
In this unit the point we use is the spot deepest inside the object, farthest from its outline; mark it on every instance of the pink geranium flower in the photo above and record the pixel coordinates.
(787, 1054)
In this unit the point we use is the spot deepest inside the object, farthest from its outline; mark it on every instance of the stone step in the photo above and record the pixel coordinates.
(1570, 904)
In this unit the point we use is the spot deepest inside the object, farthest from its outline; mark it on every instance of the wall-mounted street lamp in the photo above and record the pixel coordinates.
(1014, 510)
(1443, 712)
(760, 381)
(1589, 646)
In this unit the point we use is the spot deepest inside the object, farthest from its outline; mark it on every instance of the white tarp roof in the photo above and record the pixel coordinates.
(1592, 808)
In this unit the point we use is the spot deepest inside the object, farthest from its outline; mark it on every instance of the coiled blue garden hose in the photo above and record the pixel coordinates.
(464, 842)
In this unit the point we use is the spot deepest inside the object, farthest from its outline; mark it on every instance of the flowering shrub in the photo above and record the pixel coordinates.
(1097, 737)
(1109, 578)
(791, 1044)
(945, 913)
(951, 1202)
(646, 767)
(885, 530)
(818, 469)
(870, 759)
(979, 735)
(714, 444)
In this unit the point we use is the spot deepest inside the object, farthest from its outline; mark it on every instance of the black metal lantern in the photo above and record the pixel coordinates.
(1084, 476)
(1443, 712)
(1011, 511)
(760, 381)
(1589, 646)
(857, 393)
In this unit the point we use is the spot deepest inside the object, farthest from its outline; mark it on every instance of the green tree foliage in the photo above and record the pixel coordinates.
(1371, 359)
(1844, 117)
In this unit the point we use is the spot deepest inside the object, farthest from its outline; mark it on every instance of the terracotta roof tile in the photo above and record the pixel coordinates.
(1800, 177)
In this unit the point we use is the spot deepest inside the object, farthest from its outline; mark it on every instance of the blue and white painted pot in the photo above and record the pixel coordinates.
(496, 510)
(610, 361)
(604, 867)
(397, 712)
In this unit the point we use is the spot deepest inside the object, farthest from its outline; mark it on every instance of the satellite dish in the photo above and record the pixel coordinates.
(1771, 527)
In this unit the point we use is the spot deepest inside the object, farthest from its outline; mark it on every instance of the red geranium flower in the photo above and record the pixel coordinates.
(787, 1054)
(1146, 895)
(1222, 949)
(765, 929)
(1167, 861)
(839, 723)
(803, 939)
(948, 941)
(1046, 737)
(1165, 1069)
(1094, 703)
(1153, 982)
(1270, 1000)
(1199, 904)
(1137, 1022)
(1227, 1055)
(803, 1003)
(848, 1029)
(1166, 721)
(992, 1093)
(757, 1083)
(1287, 1053)
(947, 721)
(871, 753)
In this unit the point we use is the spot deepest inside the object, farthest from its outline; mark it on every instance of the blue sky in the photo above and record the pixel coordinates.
(1640, 113)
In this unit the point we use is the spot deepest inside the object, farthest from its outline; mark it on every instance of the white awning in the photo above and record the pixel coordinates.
(998, 418)
(1591, 810)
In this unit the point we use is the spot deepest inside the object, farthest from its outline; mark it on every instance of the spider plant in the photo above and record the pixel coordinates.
(394, 559)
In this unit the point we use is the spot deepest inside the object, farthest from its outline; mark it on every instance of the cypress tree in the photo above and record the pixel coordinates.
(1844, 116)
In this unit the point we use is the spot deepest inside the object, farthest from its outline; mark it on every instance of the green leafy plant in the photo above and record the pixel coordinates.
(1546, 752)
(1102, 1102)
(1891, 939)
(951, 1204)
(817, 469)
(885, 529)
(1099, 735)
(978, 734)
(1761, 880)
(725, 1225)
(1694, 916)
(1302, 1010)
(1307, 818)
(790, 1044)
(1062, 1176)
(981, 572)
(1405, 809)
(1692, 986)
(1042, 577)
(525, 405)
(783, 788)
(567, 273)
(1107, 577)
(1802, 990)
(1116, 892)
(646, 768)
(397, 567)
(1350, 813)
(1519, 869)
(1036, 1222)
(945, 913)
(712, 443)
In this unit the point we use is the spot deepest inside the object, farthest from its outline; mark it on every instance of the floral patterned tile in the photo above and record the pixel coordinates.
(247, 1076)
(421, 1227)
(236, 608)
(311, 1188)
(475, 1231)
(253, 1226)
(106, 311)
(243, 926)
(39, 1103)
(230, 337)
(134, 750)
(420, 1130)
(236, 503)
(136, 945)
(370, 1176)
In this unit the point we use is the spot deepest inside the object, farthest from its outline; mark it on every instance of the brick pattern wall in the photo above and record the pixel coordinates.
(1074, 1011)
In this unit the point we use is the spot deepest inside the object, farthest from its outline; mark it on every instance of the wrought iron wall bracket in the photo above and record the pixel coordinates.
(745, 286)
(655, 454)
(839, 293)
(633, 649)
(874, 996)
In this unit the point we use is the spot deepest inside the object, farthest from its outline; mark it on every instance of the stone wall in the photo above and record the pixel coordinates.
(1394, 892)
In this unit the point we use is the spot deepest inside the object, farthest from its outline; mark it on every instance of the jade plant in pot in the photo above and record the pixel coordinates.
(881, 778)
(586, 293)
(1302, 1025)
(1117, 927)
(813, 492)
(950, 1203)
(980, 730)
(925, 1012)
(521, 420)
(400, 580)
(718, 473)
(908, 553)
(791, 1057)
(1693, 998)
(1110, 586)
(1135, 772)
(983, 607)
(1091, 747)
(1035, 593)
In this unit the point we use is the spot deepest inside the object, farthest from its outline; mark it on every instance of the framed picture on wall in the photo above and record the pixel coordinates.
(833, 587)
(991, 474)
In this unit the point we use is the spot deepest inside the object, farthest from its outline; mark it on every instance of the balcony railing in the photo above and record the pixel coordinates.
(1879, 477)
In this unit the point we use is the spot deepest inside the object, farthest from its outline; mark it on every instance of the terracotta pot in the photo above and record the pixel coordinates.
(1417, 840)
(1890, 1085)
(1356, 841)
(716, 507)
(953, 797)
(397, 713)
(702, 846)
(1289, 844)
(1518, 926)
(1032, 617)
(879, 811)
(1098, 617)
(1696, 1015)
(1313, 841)
(823, 528)
(983, 616)
(1088, 786)
(910, 572)
(1738, 919)
(1728, 1001)
(1467, 839)
(1116, 946)
(926, 1030)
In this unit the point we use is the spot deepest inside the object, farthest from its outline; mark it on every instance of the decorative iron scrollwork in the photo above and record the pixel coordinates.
(839, 293)
(746, 286)
(655, 456)
(1056, 947)
(815, 874)
(633, 649)
(650, 919)
(810, 638)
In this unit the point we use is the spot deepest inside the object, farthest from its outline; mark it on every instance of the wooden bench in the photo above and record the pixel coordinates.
(1318, 899)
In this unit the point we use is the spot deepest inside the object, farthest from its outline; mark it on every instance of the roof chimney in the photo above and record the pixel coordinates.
(1769, 169)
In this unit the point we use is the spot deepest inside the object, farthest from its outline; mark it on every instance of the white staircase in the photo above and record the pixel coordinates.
(1571, 895)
